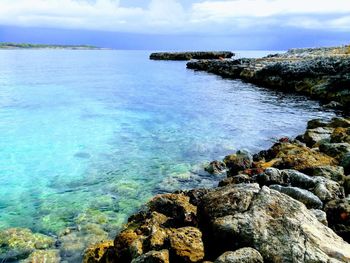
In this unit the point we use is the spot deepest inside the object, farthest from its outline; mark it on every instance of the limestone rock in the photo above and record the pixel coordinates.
(243, 255)
(240, 161)
(279, 227)
(345, 162)
(161, 256)
(327, 189)
(340, 122)
(237, 179)
(316, 123)
(335, 173)
(336, 150)
(176, 206)
(340, 135)
(94, 253)
(187, 245)
(306, 197)
(320, 215)
(317, 135)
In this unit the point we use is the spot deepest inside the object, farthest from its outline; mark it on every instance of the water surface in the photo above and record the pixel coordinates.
(103, 131)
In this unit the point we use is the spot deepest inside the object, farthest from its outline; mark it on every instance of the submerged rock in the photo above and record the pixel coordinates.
(19, 243)
(44, 256)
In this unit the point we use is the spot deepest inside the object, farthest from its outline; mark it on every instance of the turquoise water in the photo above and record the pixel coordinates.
(100, 132)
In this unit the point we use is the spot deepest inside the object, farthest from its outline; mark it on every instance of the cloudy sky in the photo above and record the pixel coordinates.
(257, 23)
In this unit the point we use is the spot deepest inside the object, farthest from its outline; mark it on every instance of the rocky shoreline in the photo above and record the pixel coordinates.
(191, 55)
(322, 73)
(289, 203)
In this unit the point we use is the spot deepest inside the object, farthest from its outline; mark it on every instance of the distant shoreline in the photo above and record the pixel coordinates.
(11, 46)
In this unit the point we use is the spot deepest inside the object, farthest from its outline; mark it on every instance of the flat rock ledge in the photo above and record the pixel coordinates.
(191, 55)
(321, 73)
(290, 203)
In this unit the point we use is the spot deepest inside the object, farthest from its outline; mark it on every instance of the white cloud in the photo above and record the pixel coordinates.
(169, 16)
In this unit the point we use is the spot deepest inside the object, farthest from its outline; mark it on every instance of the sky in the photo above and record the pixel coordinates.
(177, 24)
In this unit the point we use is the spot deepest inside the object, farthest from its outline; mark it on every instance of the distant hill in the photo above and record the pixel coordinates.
(9, 45)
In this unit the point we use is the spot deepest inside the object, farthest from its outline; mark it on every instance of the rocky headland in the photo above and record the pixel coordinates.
(322, 73)
(191, 55)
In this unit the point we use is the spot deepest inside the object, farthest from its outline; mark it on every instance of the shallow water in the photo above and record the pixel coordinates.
(102, 131)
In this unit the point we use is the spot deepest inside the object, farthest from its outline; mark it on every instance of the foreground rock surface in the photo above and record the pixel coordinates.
(191, 55)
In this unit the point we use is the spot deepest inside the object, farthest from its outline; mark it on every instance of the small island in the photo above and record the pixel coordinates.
(10, 45)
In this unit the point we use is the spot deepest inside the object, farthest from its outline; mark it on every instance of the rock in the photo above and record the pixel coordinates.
(195, 195)
(237, 179)
(243, 255)
(306, 197)
(340, 135)
(327, 189)
(336, 150)
(94, 253)
(316, 123)
(44, 256)
(345, 162)
(271, 176)
(122, 244)
(191, 55)
(227, 200)
(346, 185)
(317, 135)
(176, 206)
(298, 157)
(240, 161)
(338, 215)
(334, 173)
(340, 122)
(320, 215)
(279, 227)
(298, 179)
(19, 243)
(187, 245)
(161, 256)
(216, 167)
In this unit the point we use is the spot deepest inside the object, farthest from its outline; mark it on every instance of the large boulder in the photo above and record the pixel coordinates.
(317, 135)
(279, 227)
(336, 150)
(216, 167)
(243, 255)
(237, 162)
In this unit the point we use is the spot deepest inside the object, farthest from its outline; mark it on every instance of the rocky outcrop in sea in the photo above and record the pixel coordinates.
(322, 73)
(191, 55)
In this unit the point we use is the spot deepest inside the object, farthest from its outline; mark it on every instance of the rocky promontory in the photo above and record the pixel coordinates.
(322, 73)
(191, 55)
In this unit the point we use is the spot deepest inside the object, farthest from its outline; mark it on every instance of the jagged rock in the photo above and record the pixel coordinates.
(187, 245)
(334, 173)
(336, 150)
(195, 195)
(240, 161)
(317, 135)
(94, 253)
(19, 243)
(271, 176)
(346, 185)
(216, 167)
(327, 189)
(320, 215)
(279, 227)
(243, 255)
(44, 256)
(176, 206)
(161, 256)
(122, 244)
(306, 197)
(338, 215)
(237, 179)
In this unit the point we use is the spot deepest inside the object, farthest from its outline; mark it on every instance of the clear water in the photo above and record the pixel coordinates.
(103, 131)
